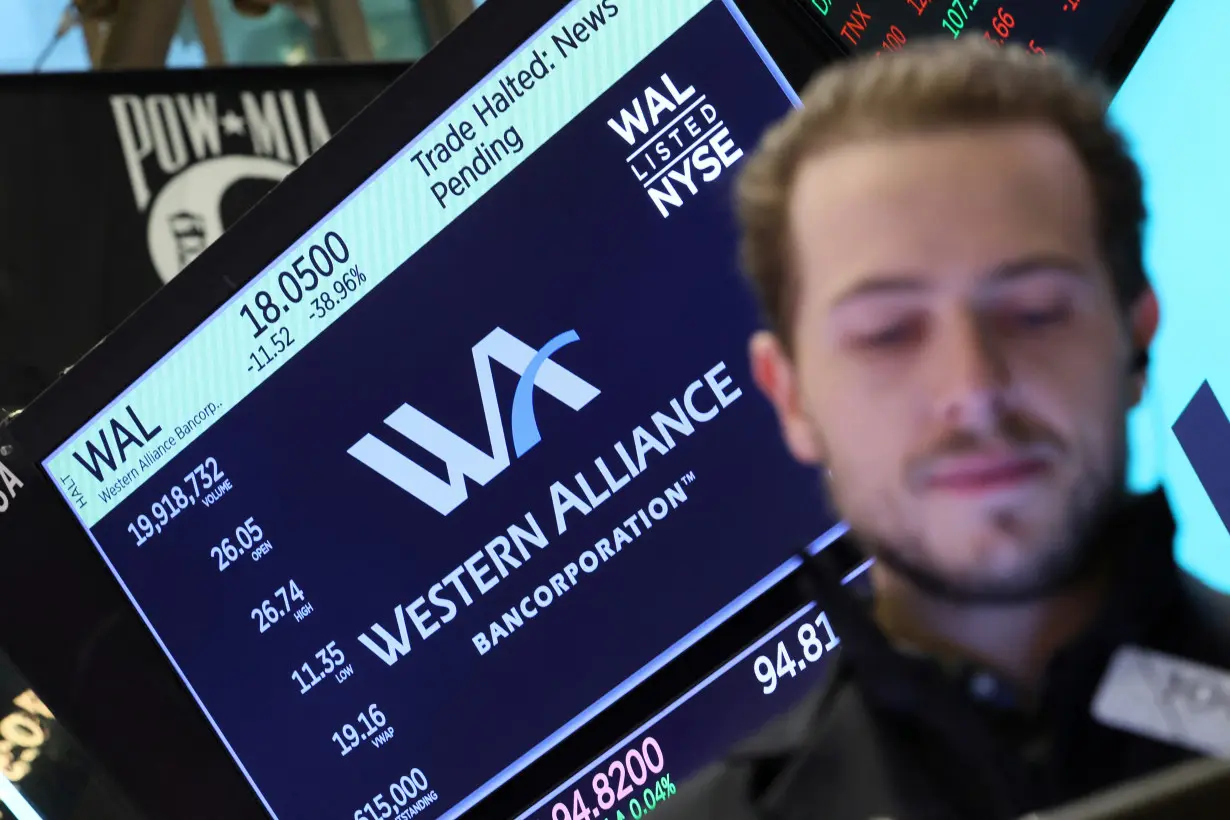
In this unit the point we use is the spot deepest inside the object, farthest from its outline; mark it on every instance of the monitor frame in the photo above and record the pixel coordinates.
(64, 619)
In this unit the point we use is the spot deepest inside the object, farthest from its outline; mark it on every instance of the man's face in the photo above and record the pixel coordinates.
(960, 363)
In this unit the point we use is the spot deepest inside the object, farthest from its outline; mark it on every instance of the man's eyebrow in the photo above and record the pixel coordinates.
(882, 284)
(1040, 263)
(905, 282)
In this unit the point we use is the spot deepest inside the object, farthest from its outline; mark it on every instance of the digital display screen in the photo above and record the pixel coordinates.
(470, 460)
(1079, 28)
(1179, 435)
(704, 724)
(645, 768)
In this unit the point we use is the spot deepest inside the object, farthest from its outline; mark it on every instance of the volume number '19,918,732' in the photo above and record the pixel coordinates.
(267, 307)
(204, 482)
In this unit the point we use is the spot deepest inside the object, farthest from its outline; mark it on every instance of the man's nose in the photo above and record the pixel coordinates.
(969, 374)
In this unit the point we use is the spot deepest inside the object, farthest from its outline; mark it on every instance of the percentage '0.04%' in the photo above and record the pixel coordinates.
(810, 643)
(638, 806)
(371, 727)
(250, 539)
(623, 776)
(205, 482)
(332, 662)
(410, 791)
(284, 602)
(303, 279)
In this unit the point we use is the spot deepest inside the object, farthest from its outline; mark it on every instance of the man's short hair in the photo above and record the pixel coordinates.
(929, 88)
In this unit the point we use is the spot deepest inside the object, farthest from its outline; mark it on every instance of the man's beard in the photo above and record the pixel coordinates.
(1078, 542)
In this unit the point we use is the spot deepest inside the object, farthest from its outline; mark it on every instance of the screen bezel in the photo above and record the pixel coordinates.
(82, 645)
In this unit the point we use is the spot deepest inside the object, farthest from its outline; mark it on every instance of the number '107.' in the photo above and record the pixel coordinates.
(958, 16)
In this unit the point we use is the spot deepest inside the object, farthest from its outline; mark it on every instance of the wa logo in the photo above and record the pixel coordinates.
(461, 458)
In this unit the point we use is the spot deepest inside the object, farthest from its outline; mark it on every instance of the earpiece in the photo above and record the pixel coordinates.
(1141, 362)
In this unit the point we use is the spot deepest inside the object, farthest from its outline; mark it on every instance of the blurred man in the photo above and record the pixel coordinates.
(947, 244)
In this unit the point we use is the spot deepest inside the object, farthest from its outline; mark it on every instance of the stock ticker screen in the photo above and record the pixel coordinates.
(646, 767)
(471, 459)
(1079, 28)
(1179, 435)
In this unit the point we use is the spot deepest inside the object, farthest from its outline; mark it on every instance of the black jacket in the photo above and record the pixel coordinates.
(891, 736)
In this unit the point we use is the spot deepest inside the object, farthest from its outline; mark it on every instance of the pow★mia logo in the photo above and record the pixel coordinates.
(198, 161)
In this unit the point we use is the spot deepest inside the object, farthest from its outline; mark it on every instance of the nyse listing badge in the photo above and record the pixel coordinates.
(677, 142)
(185, 153)
(461, 458)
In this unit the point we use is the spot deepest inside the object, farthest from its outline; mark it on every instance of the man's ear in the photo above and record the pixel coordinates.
(1143, 318)
(775, 375)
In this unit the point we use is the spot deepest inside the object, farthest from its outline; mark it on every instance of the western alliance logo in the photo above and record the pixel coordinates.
(461, 458)
(677, 140)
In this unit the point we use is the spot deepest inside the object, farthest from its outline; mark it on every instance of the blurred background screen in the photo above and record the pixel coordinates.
(1171, 110)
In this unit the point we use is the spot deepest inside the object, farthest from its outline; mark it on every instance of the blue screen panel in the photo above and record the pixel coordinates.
(1171, 108)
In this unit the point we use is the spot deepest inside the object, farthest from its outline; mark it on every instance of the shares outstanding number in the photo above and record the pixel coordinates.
(408, 791)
